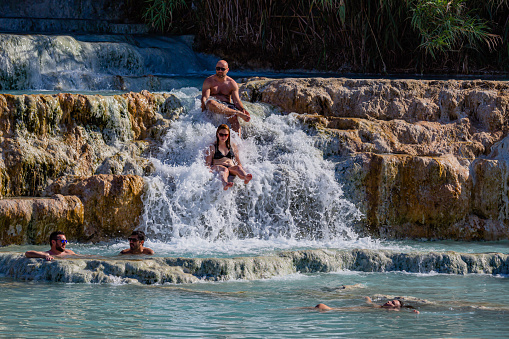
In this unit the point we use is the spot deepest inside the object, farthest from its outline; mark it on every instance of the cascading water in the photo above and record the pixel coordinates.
(293, 199)
(97, 62)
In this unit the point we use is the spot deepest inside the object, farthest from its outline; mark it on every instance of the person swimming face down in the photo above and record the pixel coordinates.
(393, 304)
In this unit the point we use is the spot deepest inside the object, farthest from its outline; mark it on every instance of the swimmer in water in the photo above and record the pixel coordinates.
(391, 305)
(223, 157)
(57, 241)
(136, 242)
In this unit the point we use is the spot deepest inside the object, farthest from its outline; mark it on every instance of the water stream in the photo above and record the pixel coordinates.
(293, 200)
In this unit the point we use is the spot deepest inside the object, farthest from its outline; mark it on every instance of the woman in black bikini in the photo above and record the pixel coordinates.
(223, 158)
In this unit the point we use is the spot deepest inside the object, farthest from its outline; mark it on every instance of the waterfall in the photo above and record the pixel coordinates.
(98, 62)
(293, 199)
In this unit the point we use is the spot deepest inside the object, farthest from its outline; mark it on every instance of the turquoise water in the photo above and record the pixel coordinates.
(449, 305)
(202, 249)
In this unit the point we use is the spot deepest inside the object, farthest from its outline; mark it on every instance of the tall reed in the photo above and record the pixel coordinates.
(348, 35)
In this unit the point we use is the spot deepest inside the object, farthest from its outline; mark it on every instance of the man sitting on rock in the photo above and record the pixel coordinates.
(136, 241)
(218, 92)
(58, 242)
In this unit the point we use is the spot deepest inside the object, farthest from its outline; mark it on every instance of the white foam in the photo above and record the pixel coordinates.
(292, 202)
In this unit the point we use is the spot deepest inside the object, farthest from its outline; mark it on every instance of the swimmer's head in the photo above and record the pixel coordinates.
(58, 241)
(323, 307)
(393, 304)
(222, 132)
(221, 69)
(136, 240)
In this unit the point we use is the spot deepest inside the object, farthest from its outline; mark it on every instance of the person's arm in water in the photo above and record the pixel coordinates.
(209, 155)
(369, 301)
(37, 254)
(205, 94)
(236, 101)
(148, 251)
(236, 151)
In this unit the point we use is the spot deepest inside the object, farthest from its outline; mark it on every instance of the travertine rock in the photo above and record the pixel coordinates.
(190, 270)
(112, 203)
(31, 220)
(408, 196)
(484, 102)
(44, 137)
(422, 159)
(343, 136)
(66, 139)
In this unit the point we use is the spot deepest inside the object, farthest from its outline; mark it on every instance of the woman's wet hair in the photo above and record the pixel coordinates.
(223, 126)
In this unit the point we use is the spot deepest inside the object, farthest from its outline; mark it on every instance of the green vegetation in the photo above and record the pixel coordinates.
(444, 26)
(457, 36)
(160, 13)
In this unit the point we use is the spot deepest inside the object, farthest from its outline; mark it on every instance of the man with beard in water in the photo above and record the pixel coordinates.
(136, 241)
(57, 242)
(218, 91)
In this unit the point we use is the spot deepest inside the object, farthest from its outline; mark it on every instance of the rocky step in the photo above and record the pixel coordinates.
(92, 208)
(189, 270)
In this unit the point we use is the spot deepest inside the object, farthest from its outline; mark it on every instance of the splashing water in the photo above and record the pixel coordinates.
(292, 201)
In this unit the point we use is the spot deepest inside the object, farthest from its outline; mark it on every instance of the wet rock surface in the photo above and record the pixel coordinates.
(30, 220)
(112, 204)
(422, 159)
(86, 151)
(189, 270)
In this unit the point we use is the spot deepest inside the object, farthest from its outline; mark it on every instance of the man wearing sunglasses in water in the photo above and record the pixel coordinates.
(57, 242)
(136, 241)
(218, 92)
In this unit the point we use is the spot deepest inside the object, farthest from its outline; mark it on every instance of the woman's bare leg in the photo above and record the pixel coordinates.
(223, 174)
(241, 173)
(234, 122)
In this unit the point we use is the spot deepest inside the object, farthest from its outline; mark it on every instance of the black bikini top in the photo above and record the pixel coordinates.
(219, 155)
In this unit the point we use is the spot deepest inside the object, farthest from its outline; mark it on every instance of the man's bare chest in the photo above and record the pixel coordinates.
(223, 89)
